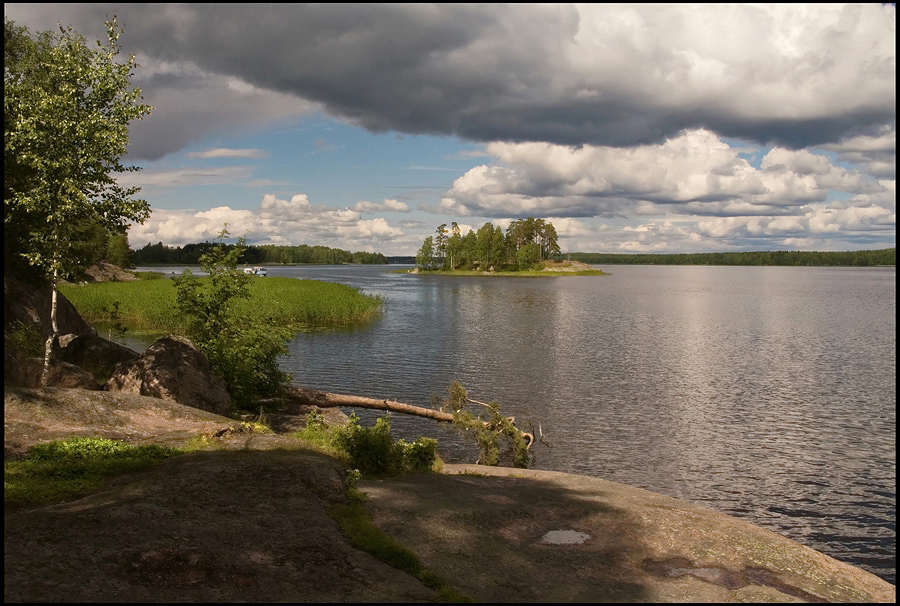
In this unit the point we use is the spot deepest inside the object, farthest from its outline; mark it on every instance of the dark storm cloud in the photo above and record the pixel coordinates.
(614, 75)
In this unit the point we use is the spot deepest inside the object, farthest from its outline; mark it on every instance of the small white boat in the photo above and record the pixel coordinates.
(256, 271)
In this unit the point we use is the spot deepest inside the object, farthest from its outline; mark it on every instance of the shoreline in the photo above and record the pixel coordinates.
(550, 269)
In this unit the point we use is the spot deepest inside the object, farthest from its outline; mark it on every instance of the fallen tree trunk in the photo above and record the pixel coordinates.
(323, 399)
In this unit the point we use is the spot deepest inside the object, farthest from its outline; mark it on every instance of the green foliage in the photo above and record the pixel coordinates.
(440, 244)
(373, 451)
(55, 469)
(352, 483)
(528, 255)
(67, 108)
(189, 254)
(26, 338)
(242, 349)
(538, 232)
(115, 324)
(425, 257)
(149, 304)
(118, 252)
(89, 243)
(538, 270)
(370, 450)
(499, 440)
(858, 258)
(527, 243)
(246, 356)
(420, 455)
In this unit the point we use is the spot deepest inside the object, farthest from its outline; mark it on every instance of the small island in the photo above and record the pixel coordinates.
(546, 269)
(529, 247)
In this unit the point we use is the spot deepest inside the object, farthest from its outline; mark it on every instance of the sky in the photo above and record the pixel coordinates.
(659, 128)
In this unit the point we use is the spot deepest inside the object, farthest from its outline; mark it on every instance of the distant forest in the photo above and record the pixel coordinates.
(858, 258)
(189, 254)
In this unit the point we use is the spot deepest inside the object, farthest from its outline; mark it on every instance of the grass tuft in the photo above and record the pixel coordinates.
(356, 524)
(54, 470)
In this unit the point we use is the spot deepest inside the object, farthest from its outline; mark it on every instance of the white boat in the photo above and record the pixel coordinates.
(256, 271)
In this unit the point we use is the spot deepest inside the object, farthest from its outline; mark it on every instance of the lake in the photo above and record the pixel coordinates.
(767, 393)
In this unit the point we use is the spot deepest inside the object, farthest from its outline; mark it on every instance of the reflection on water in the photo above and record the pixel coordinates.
(764, 392)
(767, 393)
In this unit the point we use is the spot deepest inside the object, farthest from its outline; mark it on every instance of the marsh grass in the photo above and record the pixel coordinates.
(150, 275)
(145, 305)
(149, 305)
(53, 470)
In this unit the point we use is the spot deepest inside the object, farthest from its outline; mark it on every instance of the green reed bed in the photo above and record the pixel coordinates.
(145, 305)
(310, 303)
(149, 305)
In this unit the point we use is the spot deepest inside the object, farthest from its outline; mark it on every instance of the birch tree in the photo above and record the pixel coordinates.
(67, 107)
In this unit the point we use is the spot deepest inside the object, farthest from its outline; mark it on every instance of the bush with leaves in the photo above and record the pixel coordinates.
(242, 351)
(371, 450)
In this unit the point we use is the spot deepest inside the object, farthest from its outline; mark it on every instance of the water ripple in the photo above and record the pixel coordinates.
(765, 393)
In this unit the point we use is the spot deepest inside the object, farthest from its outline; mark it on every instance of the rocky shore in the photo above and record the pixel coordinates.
(248, 522)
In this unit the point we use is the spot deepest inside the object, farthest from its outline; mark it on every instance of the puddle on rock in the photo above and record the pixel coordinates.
(565, 537)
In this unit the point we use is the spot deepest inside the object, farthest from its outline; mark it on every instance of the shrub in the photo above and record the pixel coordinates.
(419, 456)
(241, 349)
(371, 450)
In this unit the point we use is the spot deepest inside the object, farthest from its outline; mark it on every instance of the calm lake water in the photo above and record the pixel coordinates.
(767, 393)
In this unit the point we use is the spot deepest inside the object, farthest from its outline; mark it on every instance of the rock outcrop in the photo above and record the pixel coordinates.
(30, 305)
(174, 369)
(95, 354)
(107, 272)
(28, 372)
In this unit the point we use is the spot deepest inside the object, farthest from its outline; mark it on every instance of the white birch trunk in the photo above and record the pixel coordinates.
(50, 345)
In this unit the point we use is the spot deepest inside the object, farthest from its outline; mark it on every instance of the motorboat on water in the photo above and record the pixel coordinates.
(256, 271)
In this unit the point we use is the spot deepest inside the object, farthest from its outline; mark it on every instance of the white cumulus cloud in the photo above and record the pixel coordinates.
(276, 220)
(364, 206)
(696, 170)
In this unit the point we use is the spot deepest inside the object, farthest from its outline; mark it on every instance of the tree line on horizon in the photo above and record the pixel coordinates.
(189, 254)
(858, 258)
